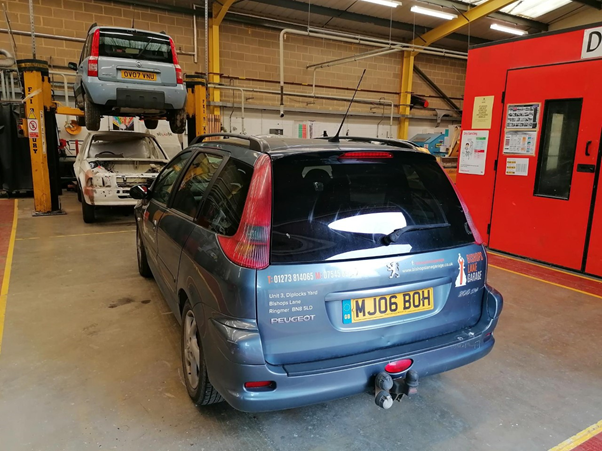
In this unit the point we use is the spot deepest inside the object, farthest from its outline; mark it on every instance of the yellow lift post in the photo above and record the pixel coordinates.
(39, 119)
(196, 105)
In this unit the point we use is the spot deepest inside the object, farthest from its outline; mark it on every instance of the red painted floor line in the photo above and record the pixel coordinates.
(7, 209)
(593, 444)
(549, 274)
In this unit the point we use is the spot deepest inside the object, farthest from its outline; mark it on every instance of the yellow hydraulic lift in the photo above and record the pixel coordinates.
(407, 65)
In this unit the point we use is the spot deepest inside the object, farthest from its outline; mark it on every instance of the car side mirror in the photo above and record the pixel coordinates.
(140, 192)
(72, 66)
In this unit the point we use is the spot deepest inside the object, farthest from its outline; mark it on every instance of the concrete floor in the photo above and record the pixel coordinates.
(89, 363)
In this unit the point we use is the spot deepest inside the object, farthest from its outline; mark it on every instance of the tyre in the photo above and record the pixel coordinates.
(199, 388)
(143, 267)
(151, 124)
(79, 193)
(88, 211)
(177, 121)
(91, 115)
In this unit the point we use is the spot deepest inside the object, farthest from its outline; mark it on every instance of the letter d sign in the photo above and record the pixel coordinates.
(592, 43)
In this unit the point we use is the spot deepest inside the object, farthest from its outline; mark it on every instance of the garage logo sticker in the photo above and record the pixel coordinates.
(469, 269)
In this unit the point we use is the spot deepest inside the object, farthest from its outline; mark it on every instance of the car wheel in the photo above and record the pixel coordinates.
(151, 124)
(197, 382)
(177, 121)
(143, 267)
(79, 193)
(88, 211)
(91, 115)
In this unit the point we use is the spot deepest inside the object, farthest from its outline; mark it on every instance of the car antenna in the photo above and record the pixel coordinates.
(335, 138)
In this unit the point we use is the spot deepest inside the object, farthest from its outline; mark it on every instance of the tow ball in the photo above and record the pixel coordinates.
(388, 389)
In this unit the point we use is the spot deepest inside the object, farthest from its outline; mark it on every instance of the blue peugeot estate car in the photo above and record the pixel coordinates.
(308, 270)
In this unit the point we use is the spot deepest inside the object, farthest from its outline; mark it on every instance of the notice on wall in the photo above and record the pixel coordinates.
(520, 143)
(517, 166)
(523, 116)
(482, 112)
(473, 152)
(592, 43)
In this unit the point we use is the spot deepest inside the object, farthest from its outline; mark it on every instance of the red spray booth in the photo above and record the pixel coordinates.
(529, 164)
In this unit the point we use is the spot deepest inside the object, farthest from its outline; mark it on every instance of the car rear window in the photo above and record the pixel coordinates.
(117, 147)
(135, 45)
(328, 208)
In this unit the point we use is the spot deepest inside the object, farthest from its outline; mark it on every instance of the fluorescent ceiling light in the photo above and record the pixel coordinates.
(433, 12)
(390, 3)
(508, 29)
(529, 8)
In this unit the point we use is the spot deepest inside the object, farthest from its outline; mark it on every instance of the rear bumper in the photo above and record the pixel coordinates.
(304, 384)
(135, 96)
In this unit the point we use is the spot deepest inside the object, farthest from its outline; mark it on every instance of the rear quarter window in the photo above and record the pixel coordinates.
(326, 208)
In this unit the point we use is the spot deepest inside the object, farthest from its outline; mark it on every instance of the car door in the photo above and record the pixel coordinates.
(177, 221)
(154, 209)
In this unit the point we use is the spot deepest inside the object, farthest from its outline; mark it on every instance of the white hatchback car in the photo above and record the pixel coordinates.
(112, 162)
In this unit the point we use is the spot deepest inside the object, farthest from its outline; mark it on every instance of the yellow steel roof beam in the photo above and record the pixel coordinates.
(461, 21)
(219, 11)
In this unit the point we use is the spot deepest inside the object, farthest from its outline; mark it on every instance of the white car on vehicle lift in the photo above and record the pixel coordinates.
(112, 162)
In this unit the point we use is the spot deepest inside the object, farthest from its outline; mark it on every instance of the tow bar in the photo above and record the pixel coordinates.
(388, 389)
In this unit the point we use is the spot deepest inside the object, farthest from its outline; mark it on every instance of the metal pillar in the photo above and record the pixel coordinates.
(196, 105)
(41, 130)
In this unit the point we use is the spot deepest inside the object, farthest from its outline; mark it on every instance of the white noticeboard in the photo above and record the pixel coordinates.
(520, 143)
(517, 166)
(473, 152)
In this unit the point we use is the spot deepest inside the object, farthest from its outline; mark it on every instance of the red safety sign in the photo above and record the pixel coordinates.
(32, 125)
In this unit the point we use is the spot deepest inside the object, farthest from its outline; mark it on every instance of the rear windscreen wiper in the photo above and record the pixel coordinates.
(150, 39)
(396, 234)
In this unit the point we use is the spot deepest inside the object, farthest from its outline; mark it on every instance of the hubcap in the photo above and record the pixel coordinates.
(192, 352)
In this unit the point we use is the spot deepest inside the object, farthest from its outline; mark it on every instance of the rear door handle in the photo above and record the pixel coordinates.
(587, 148)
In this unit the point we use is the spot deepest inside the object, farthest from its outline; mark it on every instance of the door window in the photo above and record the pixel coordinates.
(195, 183)
(225, 203)
(163, 185)
(558, 147)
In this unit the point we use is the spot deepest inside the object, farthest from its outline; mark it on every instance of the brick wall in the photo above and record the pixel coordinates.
(246, 51)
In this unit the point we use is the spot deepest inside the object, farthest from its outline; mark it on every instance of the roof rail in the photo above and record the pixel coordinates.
(389, 142)
(255, 143)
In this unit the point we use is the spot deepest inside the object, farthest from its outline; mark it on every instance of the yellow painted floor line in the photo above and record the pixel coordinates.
(579, 438)
(73, 235)
(551, 268)
(7, 268)
(545, 281)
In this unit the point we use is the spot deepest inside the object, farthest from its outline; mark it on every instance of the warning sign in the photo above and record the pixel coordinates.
(31, 114)
(33, 127)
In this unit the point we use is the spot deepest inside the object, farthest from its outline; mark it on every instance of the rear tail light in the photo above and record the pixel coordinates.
(174, 56)
(250, 245)
(260, 385)
(93, 58)
(365, 155)
(399, 366)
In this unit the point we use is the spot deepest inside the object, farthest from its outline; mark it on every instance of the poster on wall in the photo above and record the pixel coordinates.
(473, 152)
(520, 143)
(123, 123)
(482, 112)
(517, 166)
(523, 116)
